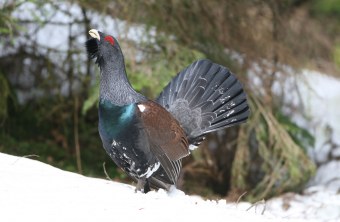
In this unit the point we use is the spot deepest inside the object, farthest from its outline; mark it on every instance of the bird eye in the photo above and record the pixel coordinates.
(109, 39)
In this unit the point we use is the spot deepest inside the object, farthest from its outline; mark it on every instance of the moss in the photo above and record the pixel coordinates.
(336, 55)
(326, 7)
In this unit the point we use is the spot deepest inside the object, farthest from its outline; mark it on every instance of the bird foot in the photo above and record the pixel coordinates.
(143, 186)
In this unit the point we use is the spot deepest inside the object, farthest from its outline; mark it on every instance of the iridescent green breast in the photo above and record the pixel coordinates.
(113, 119)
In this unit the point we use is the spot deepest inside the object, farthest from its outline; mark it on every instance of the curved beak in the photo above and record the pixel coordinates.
(94, 33)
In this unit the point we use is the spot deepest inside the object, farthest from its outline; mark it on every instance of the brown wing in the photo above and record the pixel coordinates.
(164, 130)
(167, 139)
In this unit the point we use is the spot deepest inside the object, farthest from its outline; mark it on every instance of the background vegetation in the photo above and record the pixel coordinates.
(48, 94)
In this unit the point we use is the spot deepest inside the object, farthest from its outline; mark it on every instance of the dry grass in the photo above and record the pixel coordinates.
(283, 164)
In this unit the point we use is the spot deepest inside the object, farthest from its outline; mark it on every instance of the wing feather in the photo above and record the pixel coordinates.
(166, 137)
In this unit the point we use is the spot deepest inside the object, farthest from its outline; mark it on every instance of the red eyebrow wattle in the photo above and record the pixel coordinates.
(109, 39)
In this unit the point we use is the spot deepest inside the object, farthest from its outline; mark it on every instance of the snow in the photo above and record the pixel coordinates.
(328, 175)
(318, 96)
(317, 203)
(34, 191)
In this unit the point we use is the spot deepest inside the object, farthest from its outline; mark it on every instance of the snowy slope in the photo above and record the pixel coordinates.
(31, 190)
(34, 191)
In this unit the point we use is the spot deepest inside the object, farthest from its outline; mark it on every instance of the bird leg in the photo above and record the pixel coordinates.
(143, 185)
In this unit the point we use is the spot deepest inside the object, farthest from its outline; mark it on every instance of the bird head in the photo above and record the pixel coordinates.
(102, 47)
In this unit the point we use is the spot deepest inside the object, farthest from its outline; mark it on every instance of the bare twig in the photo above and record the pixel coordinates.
(76, 133)
(258, 203)
(31, 155)
(240, 197)
(106, 174)
(26, 156)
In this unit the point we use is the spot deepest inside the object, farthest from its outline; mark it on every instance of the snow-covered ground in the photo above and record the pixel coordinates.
(34, 191)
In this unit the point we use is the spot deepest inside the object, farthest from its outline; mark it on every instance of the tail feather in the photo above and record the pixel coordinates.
(196, 96)
(231, 116)
(233, 96)
(205, 97)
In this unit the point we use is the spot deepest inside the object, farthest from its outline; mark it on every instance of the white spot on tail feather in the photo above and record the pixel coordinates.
(141, 107)
(230, 112)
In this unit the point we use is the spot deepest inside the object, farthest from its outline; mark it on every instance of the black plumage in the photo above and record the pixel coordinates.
(148, 139)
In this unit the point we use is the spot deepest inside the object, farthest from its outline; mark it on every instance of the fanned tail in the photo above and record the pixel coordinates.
(205, 97)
